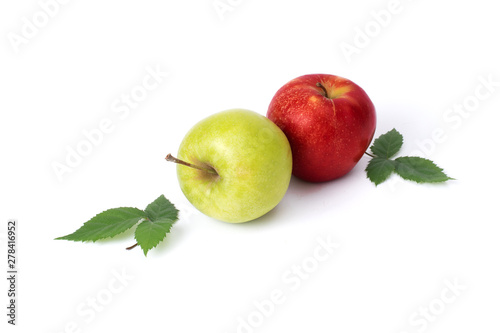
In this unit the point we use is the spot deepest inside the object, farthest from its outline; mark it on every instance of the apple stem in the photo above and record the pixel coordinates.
(371, 155)
(170, 158)
(322, 87)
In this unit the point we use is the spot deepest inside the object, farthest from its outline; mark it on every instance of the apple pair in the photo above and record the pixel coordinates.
(236, 165)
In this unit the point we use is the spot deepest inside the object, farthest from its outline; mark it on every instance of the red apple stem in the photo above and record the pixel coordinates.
(171, 158)
(322, 87)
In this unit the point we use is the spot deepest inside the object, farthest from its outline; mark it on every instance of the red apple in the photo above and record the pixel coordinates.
(329, 122)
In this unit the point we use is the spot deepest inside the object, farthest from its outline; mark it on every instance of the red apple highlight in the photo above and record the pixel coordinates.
(329, 122)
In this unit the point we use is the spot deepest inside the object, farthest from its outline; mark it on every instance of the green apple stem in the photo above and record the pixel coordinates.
(170, 158)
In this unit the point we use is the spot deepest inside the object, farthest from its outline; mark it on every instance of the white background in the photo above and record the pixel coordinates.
(401, 245)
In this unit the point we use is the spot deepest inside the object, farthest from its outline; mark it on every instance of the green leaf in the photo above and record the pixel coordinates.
(417, 169)
(157, 220)
(161, 208)
(162, 214)
(420, 170)
(388, 144)
(149, 234)
(107, 224)
(379, 169)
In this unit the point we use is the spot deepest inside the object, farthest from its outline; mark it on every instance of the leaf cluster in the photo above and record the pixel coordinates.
(153, 224)
(417, 169)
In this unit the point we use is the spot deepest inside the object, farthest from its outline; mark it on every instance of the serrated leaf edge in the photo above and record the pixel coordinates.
(377, 142)
(439, 169)
(140, 219)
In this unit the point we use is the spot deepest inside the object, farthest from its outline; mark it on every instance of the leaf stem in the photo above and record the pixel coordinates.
(131, 247)
(371, 155)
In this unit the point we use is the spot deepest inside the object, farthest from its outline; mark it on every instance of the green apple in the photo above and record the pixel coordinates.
(234, 166)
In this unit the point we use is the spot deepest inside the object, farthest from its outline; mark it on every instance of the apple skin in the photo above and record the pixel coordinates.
(328, 129)
(252, 159)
